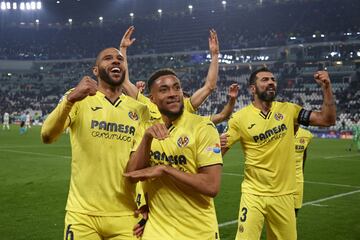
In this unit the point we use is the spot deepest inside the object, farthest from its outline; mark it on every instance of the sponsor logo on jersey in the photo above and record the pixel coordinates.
(278, 116)
(171, 159)
(95, 108)
(183, 141)
(112, 127)
(271, 134)
(133, 116)
(215, 149)
(299, 148)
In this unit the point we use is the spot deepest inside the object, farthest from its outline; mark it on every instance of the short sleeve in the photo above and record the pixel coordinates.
(154, 111)
(208, 145)
(188, 106)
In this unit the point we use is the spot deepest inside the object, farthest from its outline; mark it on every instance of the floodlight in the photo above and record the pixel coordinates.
(8, 5)
(3, 6)
(27, 6)
(37, 21)
(190, 7)
(22, 6)
(38, 5)
(101, 19)
(33, 5)
(223, 2)
(159, 11)
(70, 20)
(14, 5)
(131, 14)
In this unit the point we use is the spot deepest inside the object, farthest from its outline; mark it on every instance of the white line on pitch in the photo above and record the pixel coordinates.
(342, 156)
(331, 197)
(34, 153)
(311, 182)
(31, 146)
(305, 204)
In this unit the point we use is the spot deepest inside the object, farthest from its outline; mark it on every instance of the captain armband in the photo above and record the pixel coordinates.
(304, 117)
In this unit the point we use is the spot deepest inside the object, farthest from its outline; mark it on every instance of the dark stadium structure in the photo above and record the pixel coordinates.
(40, 60)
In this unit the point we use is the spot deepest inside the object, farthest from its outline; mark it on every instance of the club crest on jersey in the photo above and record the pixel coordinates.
(183, 141)
(302, 141)
(278, 116)
(215, 149)
(133, 116)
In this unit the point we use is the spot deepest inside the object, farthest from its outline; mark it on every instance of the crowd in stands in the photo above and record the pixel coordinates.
(271, 24)
(41, 90)
(252, 36)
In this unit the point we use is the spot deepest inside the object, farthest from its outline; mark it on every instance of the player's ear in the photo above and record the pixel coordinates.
(151, 97)
(95, 71)
(252, 89)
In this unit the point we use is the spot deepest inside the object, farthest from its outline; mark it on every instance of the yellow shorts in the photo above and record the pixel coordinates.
(85, 227)
(298, 196)
(277, 212)
(180, 228)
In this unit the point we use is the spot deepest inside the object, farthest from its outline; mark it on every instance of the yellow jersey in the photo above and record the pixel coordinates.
(175, 213)
(268, 142)
(102, 135)
(154, 111)
(302, 140)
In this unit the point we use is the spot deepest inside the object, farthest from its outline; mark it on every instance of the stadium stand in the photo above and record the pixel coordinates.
(54, 57)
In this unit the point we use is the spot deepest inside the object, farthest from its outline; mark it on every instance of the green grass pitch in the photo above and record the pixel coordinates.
(35, 179)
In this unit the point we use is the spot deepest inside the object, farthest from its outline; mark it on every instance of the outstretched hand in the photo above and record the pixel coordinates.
(140, 85)
(146, 173)
(213, 43)
(234, 90)
(127, 41)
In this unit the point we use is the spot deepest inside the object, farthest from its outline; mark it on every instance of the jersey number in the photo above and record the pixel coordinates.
(244, 212)
(138, 199)
(69, 234)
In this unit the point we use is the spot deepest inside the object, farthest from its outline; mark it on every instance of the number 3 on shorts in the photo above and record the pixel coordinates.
(244, 212)
(69, 234)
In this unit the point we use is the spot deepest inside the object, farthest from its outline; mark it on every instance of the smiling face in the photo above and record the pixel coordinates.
(167, 94)
(265, 87)
(110, 67)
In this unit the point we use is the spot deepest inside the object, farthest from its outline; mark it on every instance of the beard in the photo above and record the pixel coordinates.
(172, 115)
(264, 96)
(109, 80)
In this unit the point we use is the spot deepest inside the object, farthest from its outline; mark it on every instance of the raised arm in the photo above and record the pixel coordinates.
(129, 88)
(58, 119)
(327, 116)
(229, 107)
(210, 84)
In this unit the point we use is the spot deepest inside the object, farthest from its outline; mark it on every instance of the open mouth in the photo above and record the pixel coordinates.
(115, 70)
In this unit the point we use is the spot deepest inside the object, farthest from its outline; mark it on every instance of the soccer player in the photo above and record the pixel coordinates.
(302, 141)
(191, 104)
(225, 112)
(6, 121)
(28, 121)
(265, 130)
(180, 157)
(356, 137)
(103, 124)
